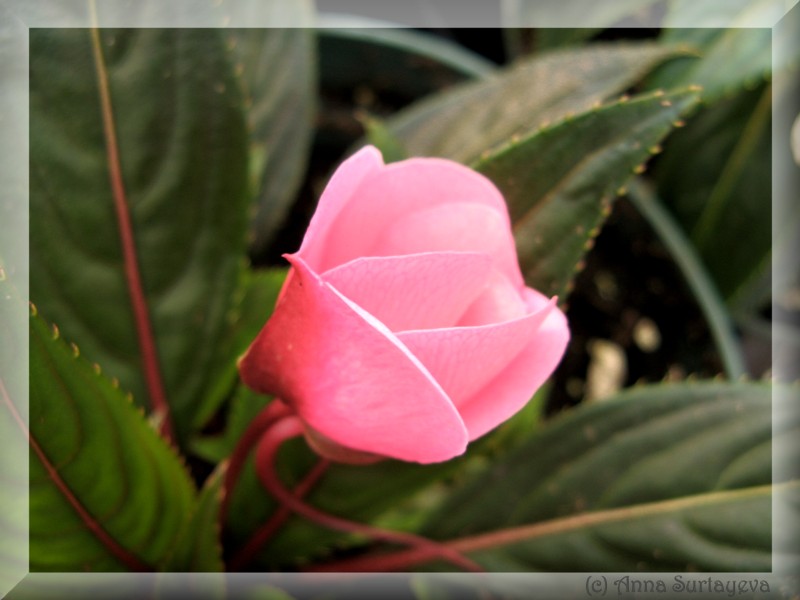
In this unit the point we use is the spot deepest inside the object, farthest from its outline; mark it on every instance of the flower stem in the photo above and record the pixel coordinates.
(274, 411)
(289, 427)
(268, 529)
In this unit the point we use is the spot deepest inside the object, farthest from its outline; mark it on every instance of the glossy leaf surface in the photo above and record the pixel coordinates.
(560, 181)
(182, 159)
(476, 117)
(657, 476)
(106, 492)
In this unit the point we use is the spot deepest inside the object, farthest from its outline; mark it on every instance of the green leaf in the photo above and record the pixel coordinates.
(389, 494)
(559, 182)
(106, 492)
(358, 493)
(253, 304)
(245, 406)
(182, 153)
(277, 70)
(655, 476)
(735, 42)
(722, 195)
(200, 549)
(464, 122)
(722, 531)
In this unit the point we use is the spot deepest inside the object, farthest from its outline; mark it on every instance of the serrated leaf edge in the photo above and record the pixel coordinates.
(127, 397)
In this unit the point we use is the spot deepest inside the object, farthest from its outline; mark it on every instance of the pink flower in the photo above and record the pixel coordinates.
(404, 328)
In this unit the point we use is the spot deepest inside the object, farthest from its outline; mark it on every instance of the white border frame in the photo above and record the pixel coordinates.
(18, 16)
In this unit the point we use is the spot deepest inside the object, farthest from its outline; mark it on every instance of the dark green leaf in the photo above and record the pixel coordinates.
(364, 494)
(390, 494)
(476, 117)
(659, 453)
(642, 446)
(182, 150)
(277, 70)
(254, 301)
(559, 182)
(722, 195)
(735, 41)
(734, 58)
(245, 406)
(200, 549)
(722, 531)
(96, 448)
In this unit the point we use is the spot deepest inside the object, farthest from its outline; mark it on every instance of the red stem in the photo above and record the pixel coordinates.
(271, 413)
(289, 427)
(144, 329)
(124, 556)
(266, 531)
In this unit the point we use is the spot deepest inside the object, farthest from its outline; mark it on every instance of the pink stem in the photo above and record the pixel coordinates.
(144, 328)
(266, 531)
(289, 427)
(271, 413)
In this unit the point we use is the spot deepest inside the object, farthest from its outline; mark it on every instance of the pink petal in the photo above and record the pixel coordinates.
(500, 301)
(398, 190)
(460, 227)
(418, 291)
(464, 359)
(337, 194)
(349, 378)
(514, 386)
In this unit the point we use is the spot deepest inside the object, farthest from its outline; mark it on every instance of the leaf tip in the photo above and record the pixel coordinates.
(56, 332)
(33, 309)
(76, 352)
